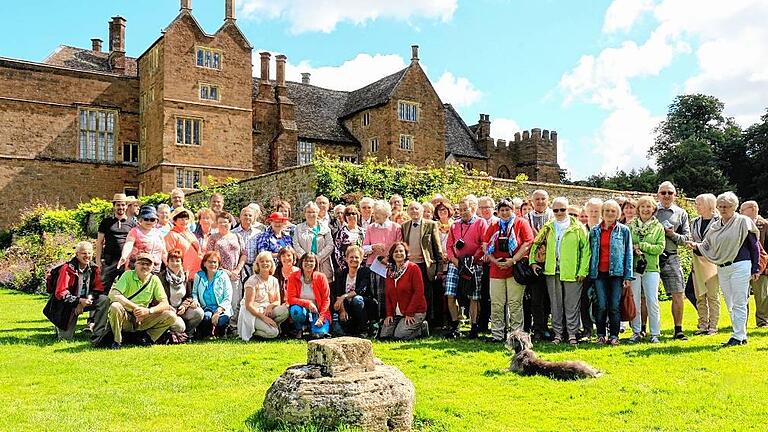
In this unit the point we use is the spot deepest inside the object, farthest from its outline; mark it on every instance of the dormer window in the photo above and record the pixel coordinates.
(208, 58)
(408, 111)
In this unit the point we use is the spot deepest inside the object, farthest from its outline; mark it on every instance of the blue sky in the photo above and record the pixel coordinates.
(601, 73)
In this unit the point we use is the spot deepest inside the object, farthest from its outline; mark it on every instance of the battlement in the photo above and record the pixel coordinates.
(537, 135)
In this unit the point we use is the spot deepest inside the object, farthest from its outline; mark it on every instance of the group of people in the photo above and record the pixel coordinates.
(380, 269)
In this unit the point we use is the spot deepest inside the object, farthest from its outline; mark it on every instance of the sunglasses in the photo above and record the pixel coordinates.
(573, 214)
(559, 210)
(666, 193)
(150, 219)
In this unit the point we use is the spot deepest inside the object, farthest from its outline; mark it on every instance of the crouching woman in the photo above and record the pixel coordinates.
(213, 290)
(309, 297)
(261, 312)
(406, 306)
(176, 283)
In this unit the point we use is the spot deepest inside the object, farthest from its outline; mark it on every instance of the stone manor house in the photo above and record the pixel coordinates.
(89, 122)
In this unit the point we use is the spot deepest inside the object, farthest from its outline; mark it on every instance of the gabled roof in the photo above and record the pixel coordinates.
(374, 94)
(460, 140)
(318, 111)
(87, 60)
(186, 13)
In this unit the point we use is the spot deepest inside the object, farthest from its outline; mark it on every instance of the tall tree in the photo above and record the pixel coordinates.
(756, 170)
(696, 145)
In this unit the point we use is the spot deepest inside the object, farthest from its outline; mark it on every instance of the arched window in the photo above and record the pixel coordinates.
(503, 172)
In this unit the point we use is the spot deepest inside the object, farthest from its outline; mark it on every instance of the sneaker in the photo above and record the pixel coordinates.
(655, 340)
(424, 329)
(681, 336)
(88, 329)
(613, 341)
(601, 340)
(635, 338)
(733, 342)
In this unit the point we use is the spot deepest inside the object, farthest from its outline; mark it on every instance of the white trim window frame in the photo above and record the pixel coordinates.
(188, 178)
(373, 145)
(406, 142)
(208, 92)
(208, 58)
(408, 111)
(189, 131)
(305, 152)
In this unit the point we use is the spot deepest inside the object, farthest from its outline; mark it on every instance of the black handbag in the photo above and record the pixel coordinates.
(641, 265)
(523, 273)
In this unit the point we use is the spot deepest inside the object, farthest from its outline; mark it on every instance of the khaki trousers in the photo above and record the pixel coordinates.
(155, 325)
(506, 306)
(760, 290)
(707, 289)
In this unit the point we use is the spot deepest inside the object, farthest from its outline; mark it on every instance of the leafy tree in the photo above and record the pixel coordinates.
(696, 146)
(756, 171)
(642, 180)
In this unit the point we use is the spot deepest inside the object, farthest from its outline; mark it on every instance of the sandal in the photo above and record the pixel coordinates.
(601, 340)
(573, 342)
(557, 340)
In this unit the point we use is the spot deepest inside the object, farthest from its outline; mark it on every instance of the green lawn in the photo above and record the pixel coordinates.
(212, 386)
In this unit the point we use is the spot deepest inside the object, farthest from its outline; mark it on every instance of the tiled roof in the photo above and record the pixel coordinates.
(318, 111)
(459, 139)
(374, 94)
(87, 60)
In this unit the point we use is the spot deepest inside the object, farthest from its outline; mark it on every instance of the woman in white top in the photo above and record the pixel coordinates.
(261, 312)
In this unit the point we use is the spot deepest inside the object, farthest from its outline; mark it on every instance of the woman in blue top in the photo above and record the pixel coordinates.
(213, 290)
(610, 267)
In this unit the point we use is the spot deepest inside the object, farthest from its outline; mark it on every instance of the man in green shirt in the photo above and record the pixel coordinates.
(139, 303)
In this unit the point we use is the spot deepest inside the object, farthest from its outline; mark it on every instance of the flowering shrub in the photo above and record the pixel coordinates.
(24, 265)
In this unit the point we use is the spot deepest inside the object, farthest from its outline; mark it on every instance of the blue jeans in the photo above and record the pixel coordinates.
(608, 290)
(302, 316)
(206, 327)
(357, 322)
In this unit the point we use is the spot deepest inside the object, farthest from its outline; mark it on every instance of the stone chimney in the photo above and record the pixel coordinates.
(96, 44)
(186, 5)
(484, 127)
(414, 53)
(265, 88)
(280, 74)
(305, 77)
(229, 10)
(117, 45)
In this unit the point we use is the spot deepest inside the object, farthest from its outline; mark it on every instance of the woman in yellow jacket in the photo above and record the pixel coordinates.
(565, 267)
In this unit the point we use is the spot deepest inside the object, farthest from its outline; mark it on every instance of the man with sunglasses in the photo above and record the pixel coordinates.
(677, 232)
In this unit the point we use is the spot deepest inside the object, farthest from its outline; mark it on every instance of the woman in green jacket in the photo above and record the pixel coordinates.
(648, 243)
(565, 267)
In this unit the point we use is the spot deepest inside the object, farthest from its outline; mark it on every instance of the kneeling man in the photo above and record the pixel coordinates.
(139, 303)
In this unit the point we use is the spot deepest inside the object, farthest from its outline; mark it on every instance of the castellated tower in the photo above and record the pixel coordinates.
(533, 153)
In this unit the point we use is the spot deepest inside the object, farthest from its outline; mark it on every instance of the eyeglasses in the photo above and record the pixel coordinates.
(559, 210)
(666, 193)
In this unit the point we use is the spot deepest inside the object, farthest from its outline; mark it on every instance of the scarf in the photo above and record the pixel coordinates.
(724, 239)
(444, 228)
(642, 229)
(560, 228)
(175, 280)
(209, 297)
(315, 230)
(507, 228)
(395, 273)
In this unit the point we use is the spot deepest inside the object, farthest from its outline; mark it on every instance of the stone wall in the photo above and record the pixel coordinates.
(297, 185)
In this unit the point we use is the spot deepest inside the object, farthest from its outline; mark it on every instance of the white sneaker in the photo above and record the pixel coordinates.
(655, 340)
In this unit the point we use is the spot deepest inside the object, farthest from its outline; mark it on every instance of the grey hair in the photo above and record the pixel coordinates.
(416, 204)
(750, 203)
(518, 202)
(339, 207)
(728, 198)
(594, 202)
(381, 205)
(486, 199)
(540, 192)
(471, 200)
(311, 205)
(560, 200)
(611, 204)
(668, 185)
(163, 206)
(367, 200)
(177, 191)
(83, 245)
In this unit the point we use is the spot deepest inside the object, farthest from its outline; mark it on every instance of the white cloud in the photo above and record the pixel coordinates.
(730, 42)
(622, 14)
(324, 15)
(458, 91)
(504, 128)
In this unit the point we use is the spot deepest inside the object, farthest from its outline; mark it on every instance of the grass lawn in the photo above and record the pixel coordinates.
(220, 385)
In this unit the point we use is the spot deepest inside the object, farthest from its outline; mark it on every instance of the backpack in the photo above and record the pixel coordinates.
(763, 261)
(52, 277)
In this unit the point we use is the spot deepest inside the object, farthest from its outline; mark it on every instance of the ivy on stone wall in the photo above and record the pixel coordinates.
(347, 182)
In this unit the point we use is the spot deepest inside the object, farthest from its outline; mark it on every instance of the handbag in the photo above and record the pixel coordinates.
(641, 265)
(59, 312)
(627, 305)
(523, 273)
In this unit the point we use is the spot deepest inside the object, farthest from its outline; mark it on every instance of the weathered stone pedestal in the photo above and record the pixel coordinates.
(342, 383)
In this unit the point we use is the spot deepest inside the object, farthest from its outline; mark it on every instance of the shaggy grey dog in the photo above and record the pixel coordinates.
(526, 362)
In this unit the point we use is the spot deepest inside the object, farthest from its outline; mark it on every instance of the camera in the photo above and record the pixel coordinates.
(459, 244)
(504, 244)
(642, 264)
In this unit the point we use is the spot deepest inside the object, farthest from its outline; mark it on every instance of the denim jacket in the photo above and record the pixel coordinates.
(621, 252)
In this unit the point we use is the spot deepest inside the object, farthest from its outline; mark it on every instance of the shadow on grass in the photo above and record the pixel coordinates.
(39, 339)
(449, 346)
(258, 422)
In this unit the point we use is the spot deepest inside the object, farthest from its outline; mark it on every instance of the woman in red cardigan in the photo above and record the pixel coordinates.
(406, 306)
(309, 297)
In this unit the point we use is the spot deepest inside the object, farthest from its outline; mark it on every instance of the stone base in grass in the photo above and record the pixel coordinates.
(342, 383)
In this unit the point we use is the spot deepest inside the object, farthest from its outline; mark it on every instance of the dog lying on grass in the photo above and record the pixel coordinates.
(525, 362)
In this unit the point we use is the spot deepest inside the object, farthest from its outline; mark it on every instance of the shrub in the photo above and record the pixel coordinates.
(156, 199)
(25, 263)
